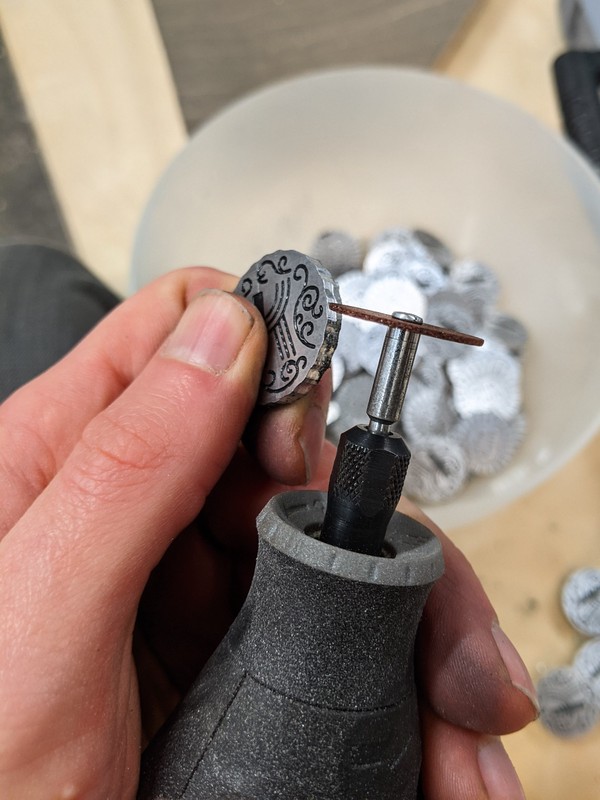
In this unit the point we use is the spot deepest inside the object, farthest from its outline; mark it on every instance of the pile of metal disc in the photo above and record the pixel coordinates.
(569, 696)
(463, 412)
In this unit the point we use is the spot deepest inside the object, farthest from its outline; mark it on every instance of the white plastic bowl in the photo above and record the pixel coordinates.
(362, 149)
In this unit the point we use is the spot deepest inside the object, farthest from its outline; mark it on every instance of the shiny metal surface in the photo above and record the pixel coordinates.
(393, 374)
(294, 294)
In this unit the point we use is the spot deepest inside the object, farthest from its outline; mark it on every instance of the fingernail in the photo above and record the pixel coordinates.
(311, 438)
(211, 332)
(499, 776)
(513, 662)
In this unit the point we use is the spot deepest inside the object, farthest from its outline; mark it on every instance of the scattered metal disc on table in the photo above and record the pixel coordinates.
(581, 600)
(337, 251)
(567, 704)
(587, 663)
(293, 293)
(487, 382)
(489, 441)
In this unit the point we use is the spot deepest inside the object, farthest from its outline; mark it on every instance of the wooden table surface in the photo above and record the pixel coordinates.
(104, 75)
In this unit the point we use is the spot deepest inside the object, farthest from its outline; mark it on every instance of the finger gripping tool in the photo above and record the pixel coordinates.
(311, 695)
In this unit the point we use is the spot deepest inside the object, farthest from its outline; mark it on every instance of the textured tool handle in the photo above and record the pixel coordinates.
(364, 489)
(311, 696)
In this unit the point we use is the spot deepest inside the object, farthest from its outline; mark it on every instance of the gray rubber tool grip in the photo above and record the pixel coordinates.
(311, 695)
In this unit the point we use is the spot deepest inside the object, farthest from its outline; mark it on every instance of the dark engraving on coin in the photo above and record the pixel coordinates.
(307, 308)
(293, 294)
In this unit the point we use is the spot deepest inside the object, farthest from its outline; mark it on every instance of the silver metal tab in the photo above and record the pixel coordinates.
(392, 376)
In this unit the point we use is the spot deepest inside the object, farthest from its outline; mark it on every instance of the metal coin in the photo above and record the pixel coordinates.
(448, 310)
(581, 600)
(486, 382)
(404, 256)
(425, 273)
(338, 370)
(293, 293)
(426, 413)
(567, 705)
(587, 663)
(429, 373)
(417, 244)
(436, 248)
(489, 441)
(437, 470)
(387, 256)
(508, 330)
(388, 293)
(491, 342)
(352, 287)
(370, 347)
(477, 283)
(338, 251)
(398, 235)
(349, 344)
(352, 398)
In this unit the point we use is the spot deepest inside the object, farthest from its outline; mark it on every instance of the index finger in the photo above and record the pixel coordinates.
(41, 422)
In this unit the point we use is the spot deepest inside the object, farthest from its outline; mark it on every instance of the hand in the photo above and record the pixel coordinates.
(127, 498)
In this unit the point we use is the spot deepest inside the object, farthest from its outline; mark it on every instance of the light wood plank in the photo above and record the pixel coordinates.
(508, 50)
(99, 91)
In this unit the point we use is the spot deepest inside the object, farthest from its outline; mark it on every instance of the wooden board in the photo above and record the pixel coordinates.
(221, 50)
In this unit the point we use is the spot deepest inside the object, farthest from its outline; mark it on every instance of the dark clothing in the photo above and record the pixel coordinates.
(48, 302)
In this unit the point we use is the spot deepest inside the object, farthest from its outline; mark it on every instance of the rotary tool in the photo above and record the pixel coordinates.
(311, 695)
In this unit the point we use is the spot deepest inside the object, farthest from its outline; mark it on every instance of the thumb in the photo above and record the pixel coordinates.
(81, 555)
(74, 565)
